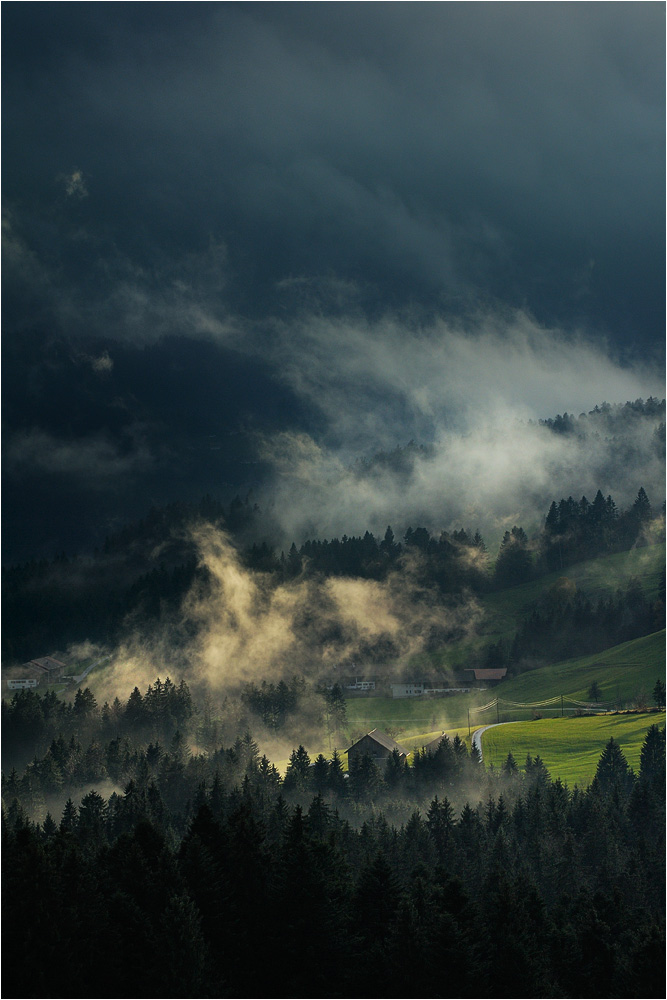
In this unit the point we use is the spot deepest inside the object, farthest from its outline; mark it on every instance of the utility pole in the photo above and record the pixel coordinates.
(497, 710)
(561, 706)
(468, 722)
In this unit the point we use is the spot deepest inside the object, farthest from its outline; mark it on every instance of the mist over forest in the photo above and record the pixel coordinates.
(206, 586)
(333, 474)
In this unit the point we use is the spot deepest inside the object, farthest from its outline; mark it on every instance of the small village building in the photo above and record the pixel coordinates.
(46, 669)
(376, 745)
(431, 689)
(21, 683)
(359, 684)
(489, 677)
(407, 689)
(434, 744)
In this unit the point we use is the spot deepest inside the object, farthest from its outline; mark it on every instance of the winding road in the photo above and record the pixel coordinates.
(477, 735)
(78, 679)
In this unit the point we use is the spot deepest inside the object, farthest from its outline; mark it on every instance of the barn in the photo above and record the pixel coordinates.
(434, 744)
(47, 669)
(488, 676)
(376, 745)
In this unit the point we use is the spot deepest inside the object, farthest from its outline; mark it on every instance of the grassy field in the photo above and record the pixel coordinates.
(407, 717)
(625, 674)
(570, 748)
(503, 611)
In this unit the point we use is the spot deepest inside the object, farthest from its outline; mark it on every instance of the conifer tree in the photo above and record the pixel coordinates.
(70, 818)
(652, 757)
(612, 770)
(337, 780)
(297, 775)
(642, 506)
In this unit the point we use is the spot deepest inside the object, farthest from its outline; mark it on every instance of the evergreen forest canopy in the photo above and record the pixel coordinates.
(156, 829)
(52, 604)
(186, 862)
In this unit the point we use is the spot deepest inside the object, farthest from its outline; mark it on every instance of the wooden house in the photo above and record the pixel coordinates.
(47, 669)
(376, 745)
(488, 676)
(434, 744)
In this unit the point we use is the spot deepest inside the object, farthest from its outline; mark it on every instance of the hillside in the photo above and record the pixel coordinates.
(625, 674)
(504, 610)
(570, 748)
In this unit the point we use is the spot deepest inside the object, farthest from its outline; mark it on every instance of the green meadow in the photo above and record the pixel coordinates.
(405, 716)
(625, 675)
(569, 747)
(504, 610)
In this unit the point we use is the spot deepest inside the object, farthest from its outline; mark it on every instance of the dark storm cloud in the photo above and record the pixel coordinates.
(331, 227)
(426, 150)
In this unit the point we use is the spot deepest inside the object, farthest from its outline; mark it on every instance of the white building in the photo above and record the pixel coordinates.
(415, 689)
(359, 684)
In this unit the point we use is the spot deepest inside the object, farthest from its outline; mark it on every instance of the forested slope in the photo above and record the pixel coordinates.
(502, 881)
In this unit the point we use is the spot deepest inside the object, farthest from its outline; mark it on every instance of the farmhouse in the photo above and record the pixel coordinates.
(359, 684)
(434, 744)
(488, 676)
(376, 745)
(407, 689)
(47, 669)
(20, 684)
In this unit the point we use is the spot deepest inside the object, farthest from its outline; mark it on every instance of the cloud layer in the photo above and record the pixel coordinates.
(474, 396)
(327, 230)
(439, 154)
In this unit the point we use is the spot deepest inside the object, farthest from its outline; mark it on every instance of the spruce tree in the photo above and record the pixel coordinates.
(641, 508)
(652, 757)
(297, 775)
(612, 770)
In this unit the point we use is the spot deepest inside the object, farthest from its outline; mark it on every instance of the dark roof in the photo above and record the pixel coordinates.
(434, 744)
(45, 663)
(385, 741)
(489, 675)
(48, 663)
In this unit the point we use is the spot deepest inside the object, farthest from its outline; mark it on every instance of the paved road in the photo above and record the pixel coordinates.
(477, 735)
(88, 669)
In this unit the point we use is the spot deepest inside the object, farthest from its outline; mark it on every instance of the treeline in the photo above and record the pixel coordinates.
(452, 561)
(609, 419)
(212, 876)
(58, 739)
(274, 703)
(32, 721)
(49, 605)
(566, 623)
(449, 562)
(578, 530)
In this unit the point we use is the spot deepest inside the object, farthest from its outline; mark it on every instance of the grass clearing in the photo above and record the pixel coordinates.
(623, 673)
(406, 716)
(504, 610)
(570, 747)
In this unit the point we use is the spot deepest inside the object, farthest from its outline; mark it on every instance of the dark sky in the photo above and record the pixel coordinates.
(231, 226)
